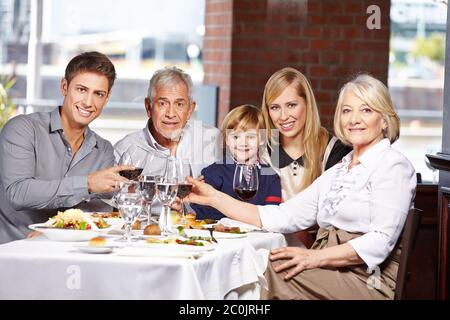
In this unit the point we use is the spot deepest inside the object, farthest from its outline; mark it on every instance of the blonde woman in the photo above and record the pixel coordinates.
(360, 204)
(299, 148)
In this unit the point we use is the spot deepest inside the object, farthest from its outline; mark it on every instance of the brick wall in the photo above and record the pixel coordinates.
(247, 40)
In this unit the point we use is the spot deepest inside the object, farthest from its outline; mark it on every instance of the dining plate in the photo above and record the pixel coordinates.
(176, 247)
(216, 234)
(95, 249)
(57, 234)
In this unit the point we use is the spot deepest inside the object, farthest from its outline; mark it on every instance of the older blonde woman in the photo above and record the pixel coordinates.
(360, 204)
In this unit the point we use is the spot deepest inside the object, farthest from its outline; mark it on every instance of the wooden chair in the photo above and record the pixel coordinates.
(407, 241)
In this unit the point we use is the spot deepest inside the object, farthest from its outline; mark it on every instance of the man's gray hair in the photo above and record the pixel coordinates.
(169, 76)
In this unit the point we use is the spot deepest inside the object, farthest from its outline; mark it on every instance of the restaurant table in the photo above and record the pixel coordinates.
(42, 269)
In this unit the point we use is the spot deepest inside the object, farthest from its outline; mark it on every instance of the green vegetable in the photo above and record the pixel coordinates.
(200, 238)
(82, 225)
(59, 224)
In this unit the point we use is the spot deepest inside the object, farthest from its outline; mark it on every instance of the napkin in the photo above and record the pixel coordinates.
(146, 252)
(245, 227)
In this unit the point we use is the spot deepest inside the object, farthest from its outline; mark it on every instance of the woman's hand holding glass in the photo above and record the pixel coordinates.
(202, 193)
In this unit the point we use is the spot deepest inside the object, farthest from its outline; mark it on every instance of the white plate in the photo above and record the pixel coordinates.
(217, 235)
(94, 249)
(115, 223)
(57, 234)
(242, 226)
(176, 247)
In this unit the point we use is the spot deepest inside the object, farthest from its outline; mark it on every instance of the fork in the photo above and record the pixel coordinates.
(211, 229)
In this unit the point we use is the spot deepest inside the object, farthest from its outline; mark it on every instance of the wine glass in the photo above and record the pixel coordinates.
(130, 206)
(147, 187)
(245, 181)
(433, 150)
(167, 190)
(184, 187)
(152, 174)
(134, 156)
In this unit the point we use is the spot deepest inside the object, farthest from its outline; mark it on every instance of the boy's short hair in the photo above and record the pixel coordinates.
(92, 61)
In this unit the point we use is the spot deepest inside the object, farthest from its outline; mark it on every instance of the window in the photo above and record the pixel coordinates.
(151, 35)
(416, 77)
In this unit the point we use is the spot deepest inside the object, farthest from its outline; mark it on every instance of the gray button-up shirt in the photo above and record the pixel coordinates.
(39, 176)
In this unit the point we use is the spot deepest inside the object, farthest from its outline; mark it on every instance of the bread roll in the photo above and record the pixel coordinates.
(136, 225)
(152, 230)
(97, 242)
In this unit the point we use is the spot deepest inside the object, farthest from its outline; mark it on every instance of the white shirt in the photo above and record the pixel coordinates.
(199, 143)
(373, 198)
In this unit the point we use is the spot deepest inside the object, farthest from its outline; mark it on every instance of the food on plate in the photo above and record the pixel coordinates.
(136, 225)
(190, 216)
(97, 242)
(175, 217)
(194, 224)
(152, 230)
(76, 219)
(190, 242)
(105, 215)
(221, 228)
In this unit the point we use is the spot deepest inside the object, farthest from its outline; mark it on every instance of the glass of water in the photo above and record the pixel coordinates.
(433, 150)
(166, 190)
(130, 207)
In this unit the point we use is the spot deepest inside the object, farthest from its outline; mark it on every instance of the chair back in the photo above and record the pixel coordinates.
(407, 241)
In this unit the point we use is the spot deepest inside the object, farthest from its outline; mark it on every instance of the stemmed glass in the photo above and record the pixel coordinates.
(150, 176)
(136, 157)
(433, 150)
(167, 190)
(184, 187)
(245, 181)
(130, 206)
(147, 187)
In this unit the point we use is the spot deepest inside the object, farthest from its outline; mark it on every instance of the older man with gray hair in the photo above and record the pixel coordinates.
(169, 131)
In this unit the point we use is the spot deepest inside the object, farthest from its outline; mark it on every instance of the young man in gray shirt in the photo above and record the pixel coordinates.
(51, 161)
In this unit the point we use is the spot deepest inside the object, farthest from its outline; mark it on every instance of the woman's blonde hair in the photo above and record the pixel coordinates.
(243, 117)
(314, 137)
(376, 95)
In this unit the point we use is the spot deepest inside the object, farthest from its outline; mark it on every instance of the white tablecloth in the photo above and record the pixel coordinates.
(42, 269)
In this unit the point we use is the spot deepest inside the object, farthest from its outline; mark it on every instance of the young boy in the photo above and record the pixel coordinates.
(242, 142)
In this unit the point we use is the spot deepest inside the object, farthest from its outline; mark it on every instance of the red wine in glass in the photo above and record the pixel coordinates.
(131, 174)
(245, 181)
(245, 194)
(183, 190)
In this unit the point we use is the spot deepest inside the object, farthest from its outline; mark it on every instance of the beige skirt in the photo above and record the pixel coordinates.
(350, 283)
